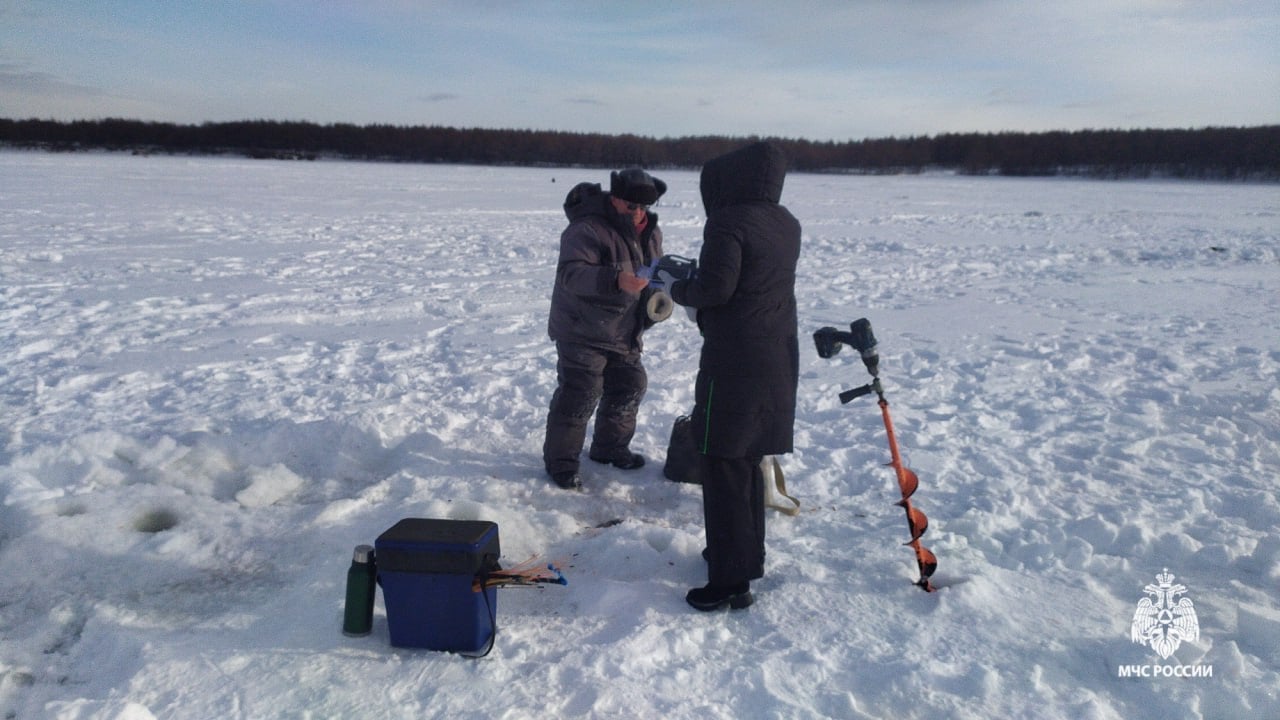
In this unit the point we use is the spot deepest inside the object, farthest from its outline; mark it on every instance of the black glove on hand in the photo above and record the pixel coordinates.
(668, 269)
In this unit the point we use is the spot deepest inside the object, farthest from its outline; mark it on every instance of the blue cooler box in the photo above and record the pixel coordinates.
(426, 569)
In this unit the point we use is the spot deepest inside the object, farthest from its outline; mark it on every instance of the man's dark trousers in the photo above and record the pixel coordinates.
(611, 385)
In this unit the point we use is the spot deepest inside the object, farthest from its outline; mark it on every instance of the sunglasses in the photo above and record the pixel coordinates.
(636, 206)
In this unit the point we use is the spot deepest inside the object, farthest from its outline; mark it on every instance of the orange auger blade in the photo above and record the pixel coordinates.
(828, 341)
(908, 482)
(928, 562)
(917, 523)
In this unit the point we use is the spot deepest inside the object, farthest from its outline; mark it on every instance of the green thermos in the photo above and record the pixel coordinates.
(357, 618)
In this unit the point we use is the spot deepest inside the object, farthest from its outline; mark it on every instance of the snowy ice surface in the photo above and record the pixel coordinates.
(218, 376)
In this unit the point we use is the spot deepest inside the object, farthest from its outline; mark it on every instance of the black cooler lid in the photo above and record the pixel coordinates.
(456, 547)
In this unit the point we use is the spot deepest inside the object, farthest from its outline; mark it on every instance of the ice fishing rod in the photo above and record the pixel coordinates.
(527, 574)
(828, 341)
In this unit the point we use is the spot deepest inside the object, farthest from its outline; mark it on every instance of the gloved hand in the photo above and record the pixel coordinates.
(649, 272)
(668, 269)
(663, 279)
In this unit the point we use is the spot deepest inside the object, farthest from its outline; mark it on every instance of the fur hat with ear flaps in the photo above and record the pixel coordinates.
(636, 185)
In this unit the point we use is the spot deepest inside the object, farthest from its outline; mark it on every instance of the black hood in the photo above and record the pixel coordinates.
(584, 199)
(749, 174)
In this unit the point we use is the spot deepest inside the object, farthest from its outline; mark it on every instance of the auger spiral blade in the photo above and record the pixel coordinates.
(917, 523)
(908, 481)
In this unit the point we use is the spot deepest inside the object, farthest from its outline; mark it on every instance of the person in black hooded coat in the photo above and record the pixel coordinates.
(745, 393)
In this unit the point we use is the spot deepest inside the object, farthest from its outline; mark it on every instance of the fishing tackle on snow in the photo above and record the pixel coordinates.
(528, 573)
(828, 341)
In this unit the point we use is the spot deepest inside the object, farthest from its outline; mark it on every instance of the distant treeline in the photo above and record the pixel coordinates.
(1250, 153)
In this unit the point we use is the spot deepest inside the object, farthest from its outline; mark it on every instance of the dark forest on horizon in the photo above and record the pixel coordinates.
(1211, 153)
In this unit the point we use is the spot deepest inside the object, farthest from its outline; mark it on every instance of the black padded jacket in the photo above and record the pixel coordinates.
(745, 396)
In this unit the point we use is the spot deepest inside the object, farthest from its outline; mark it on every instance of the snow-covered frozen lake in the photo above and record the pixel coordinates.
(218, 376)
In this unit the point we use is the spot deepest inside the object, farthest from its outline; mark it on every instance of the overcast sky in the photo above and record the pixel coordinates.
(790, 68)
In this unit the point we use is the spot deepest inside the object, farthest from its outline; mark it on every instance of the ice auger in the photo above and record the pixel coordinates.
(828, 341)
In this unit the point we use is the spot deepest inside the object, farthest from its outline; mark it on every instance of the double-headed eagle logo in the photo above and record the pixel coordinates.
(1161, 620)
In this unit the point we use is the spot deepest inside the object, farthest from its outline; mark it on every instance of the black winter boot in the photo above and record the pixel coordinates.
(569, 479)
(712, 597)
(625, 461)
